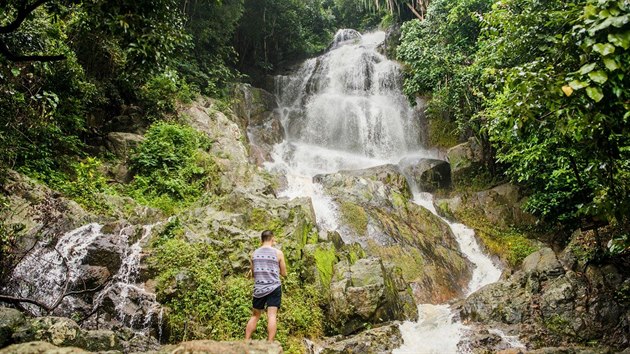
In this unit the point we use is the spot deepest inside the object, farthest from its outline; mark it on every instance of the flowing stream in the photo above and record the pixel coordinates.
(345, 110)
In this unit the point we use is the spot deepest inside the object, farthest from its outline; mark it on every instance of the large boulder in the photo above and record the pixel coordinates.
(256, 112)
(382, 339)
(212, 347)
(123, 144)
(388, 225)
(367, 293)
(501, 205)
(10, 321)
(228, 147)
(428, 175)
(38, 347)
(555, 306)
(465, 159)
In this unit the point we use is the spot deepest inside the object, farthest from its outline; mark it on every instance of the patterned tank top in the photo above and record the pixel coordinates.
(266, 271)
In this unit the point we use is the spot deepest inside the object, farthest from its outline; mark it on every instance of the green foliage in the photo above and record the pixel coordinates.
(206, 304)
(10, 234)
(278, 31)
(87, 184)
(172, 167)
(437, 54)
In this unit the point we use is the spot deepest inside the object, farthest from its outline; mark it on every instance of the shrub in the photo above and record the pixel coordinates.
(172, 167)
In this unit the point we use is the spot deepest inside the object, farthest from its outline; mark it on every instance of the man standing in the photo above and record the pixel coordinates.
(267, 267)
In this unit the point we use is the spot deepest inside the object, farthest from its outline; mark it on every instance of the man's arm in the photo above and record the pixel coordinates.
(282, 263)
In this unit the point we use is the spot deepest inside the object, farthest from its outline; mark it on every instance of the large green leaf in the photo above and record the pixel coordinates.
(598, 76)
(587, 68)
(595, 93)
(620, 39)
(604, 48)
(611, 63)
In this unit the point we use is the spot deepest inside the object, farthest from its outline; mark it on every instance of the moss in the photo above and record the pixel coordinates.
(261, 219)
(325, 259)
(354, 252)
(399, 200)
(509, 244)
(354, 216)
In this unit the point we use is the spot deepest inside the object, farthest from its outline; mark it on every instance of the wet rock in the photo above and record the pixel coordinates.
(38, 347)
(212, 347)
(123, 144)
(105, 251)
(256, 113)
(429, 175)
(381, 218)
(367, 293)
(91, 277)
(382, 339)
(56, 330)
(10, 320)
(501, 205)
(101, 340)
(464, 159)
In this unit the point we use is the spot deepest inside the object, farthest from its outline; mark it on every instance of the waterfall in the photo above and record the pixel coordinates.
(345, 110)
(341, 111)
(50, 271)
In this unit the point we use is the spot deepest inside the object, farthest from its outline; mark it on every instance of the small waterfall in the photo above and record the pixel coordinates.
(437, 331)
(43, 274)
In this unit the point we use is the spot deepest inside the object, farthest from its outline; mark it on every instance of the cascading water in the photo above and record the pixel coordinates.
(47, 274)
(344, 110)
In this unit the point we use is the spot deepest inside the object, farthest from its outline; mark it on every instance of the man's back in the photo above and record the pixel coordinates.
(266, 267)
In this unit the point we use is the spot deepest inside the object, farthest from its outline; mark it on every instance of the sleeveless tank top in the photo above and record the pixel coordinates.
(266, 271)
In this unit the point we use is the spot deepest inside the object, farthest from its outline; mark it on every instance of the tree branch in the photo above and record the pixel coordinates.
(23, 11)
(18, 300)
(4, 50)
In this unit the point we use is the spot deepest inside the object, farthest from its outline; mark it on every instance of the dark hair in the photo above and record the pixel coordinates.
(266, 235)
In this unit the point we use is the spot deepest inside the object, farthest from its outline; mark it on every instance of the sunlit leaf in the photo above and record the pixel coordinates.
(620, 39)
(587, 68)
(576, 84)
(595, 93)
(598, 76)
(604, 48)
(611, 64)
(567, 90)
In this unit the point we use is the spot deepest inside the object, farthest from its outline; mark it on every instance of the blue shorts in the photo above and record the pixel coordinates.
(273, 299)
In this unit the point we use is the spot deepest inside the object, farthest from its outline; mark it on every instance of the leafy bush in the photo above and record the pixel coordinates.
(161, 93)
(172, 168)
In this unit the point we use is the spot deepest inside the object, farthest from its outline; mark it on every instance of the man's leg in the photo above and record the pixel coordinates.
(272, 325)
(251, 324)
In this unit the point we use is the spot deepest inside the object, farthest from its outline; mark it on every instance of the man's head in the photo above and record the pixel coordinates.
(266, 236)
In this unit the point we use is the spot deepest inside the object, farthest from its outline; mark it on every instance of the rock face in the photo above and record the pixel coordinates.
(368, 292)
(553, 305)
(382, 339)
(501, 205)
(464, 158)
(381, 218)
(122, 144)
(429, 175)
(257, 115)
